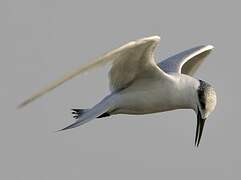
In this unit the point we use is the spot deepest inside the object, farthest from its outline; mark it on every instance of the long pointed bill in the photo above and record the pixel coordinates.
(199, 128)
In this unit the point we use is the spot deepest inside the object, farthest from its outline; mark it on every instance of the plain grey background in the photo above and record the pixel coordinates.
(41, 40)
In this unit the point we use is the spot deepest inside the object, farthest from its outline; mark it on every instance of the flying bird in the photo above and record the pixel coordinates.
(139, 85)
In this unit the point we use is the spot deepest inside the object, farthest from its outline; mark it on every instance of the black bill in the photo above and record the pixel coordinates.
(199, 128)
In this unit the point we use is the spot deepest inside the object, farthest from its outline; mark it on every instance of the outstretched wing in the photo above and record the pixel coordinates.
(186, 62)
(131, 61)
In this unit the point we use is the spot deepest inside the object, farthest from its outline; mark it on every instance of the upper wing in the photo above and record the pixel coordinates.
(136, 61)
(186, 62)
(130, 61)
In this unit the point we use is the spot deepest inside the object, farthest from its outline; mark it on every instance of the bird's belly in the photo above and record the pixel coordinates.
(143, 102)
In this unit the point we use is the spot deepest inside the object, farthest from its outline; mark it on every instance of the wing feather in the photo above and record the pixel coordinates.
(186, 62)
(135, 62)
(129, 61)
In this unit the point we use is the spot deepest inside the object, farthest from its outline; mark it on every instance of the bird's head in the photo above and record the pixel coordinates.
(205, 105)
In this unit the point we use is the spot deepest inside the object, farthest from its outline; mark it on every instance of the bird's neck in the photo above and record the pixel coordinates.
(186, 95)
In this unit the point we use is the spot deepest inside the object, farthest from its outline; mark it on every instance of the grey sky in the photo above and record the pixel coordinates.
(41, 40)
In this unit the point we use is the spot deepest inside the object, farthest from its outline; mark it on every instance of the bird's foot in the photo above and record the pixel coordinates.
(77, 113)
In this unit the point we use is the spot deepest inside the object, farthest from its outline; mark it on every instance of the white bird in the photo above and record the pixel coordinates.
(140, 86)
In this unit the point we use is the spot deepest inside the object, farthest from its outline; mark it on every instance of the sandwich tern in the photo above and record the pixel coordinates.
(139, 85)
